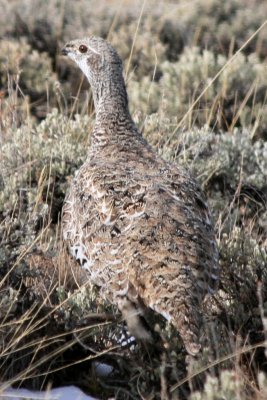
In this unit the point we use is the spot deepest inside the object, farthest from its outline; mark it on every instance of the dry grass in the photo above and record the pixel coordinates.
(197, 84)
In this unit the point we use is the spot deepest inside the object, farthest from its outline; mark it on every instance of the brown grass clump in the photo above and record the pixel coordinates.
(201, 102)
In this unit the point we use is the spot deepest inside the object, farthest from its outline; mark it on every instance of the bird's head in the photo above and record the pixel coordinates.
(95, 57)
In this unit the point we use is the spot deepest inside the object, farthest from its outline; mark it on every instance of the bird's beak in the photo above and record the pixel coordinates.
(65, 51)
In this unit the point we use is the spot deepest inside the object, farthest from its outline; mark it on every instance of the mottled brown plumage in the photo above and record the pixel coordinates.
(140, 226)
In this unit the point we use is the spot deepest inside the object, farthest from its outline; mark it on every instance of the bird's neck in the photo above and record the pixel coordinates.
(113, 120)
(110, 93)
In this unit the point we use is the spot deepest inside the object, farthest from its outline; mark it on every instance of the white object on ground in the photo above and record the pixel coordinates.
(102, 370)
(63, 393)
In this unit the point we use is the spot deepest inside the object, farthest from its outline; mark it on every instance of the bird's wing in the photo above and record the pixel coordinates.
(174, 257)
(146, 231)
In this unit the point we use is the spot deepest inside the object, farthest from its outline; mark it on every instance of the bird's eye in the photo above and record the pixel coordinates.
(83, 48)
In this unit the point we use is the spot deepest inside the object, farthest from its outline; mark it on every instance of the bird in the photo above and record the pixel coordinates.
(139, 225)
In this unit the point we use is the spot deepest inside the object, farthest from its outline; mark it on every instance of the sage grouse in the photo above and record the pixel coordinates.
(139, 225)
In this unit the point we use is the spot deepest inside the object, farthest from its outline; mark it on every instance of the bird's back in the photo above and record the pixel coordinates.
(141, 227)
